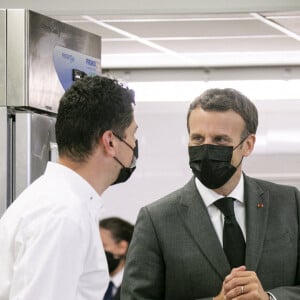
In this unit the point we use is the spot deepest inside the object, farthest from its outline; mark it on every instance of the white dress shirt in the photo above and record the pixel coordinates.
(216, 216)
(117, 281)
(50, 246)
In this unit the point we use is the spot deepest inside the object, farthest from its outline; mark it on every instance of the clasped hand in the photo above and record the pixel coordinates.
(241, 284)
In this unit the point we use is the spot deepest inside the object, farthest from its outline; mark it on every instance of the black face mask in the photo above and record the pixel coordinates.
(126, 172)
(211, 164)
(111, 261)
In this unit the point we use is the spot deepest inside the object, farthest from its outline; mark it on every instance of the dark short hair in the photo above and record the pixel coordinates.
(120, 229)
(224, 100)
(91, 106)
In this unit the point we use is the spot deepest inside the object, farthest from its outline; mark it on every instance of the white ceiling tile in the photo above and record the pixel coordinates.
(196, 28)
(292, 24)
(232, 45)
(193, 39)
(96, 29)
(124, 47)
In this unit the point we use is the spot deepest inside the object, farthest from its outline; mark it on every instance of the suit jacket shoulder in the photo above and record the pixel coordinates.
(181, 195)
(266, 191)
(264, 184)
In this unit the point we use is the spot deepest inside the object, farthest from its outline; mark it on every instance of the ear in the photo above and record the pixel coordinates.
(107, 141)
(248, 145)
(122, 247)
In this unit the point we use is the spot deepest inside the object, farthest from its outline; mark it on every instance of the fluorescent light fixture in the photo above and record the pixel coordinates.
(173, 91)
(137, 38)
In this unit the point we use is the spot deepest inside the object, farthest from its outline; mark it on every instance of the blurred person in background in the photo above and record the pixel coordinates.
(116, 235)
(50, 247)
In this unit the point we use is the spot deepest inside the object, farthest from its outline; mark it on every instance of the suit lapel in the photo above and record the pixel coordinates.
(257, 209)
(194, 215)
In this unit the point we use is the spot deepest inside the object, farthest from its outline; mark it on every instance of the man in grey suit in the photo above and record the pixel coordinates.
(177, 248)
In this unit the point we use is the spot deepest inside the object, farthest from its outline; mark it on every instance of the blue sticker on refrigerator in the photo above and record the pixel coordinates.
(71, 65)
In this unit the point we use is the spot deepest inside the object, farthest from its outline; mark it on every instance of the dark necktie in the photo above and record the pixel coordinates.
(233, 239)
(109, 292)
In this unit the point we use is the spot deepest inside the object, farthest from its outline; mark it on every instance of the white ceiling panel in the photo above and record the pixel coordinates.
(193, 40)
(125, 47)
(233, 45)
(96, 29)
(292, 24)
(186, 28)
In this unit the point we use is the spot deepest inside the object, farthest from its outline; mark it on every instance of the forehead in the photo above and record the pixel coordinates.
(106, 236)
(215, 122)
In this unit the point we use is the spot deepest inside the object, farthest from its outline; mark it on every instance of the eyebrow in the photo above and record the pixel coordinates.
(217, 136)
(196, 135)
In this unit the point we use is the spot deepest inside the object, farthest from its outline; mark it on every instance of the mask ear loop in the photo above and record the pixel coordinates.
(241, 142)
(134, 150)
(240, 162)
(119, 162)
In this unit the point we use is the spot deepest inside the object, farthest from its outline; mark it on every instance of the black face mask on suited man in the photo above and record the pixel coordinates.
(211, 164)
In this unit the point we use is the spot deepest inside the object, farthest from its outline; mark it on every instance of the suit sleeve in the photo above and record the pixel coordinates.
(291, 292)
(144, 274)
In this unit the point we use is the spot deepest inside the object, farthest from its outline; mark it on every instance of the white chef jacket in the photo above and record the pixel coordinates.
(50, 246)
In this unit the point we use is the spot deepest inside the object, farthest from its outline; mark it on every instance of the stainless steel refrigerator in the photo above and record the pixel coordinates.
(40, 58)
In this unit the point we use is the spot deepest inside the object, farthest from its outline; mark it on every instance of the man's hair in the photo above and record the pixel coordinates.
(224, 100)
(120, 229)
(91, 106)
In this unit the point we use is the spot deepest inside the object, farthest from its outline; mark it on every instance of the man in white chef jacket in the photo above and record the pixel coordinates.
(49, 238)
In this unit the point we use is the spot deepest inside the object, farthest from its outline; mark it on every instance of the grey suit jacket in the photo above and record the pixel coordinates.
(175, 253)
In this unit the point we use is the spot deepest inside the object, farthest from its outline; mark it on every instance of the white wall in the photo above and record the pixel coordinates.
(163, 163)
